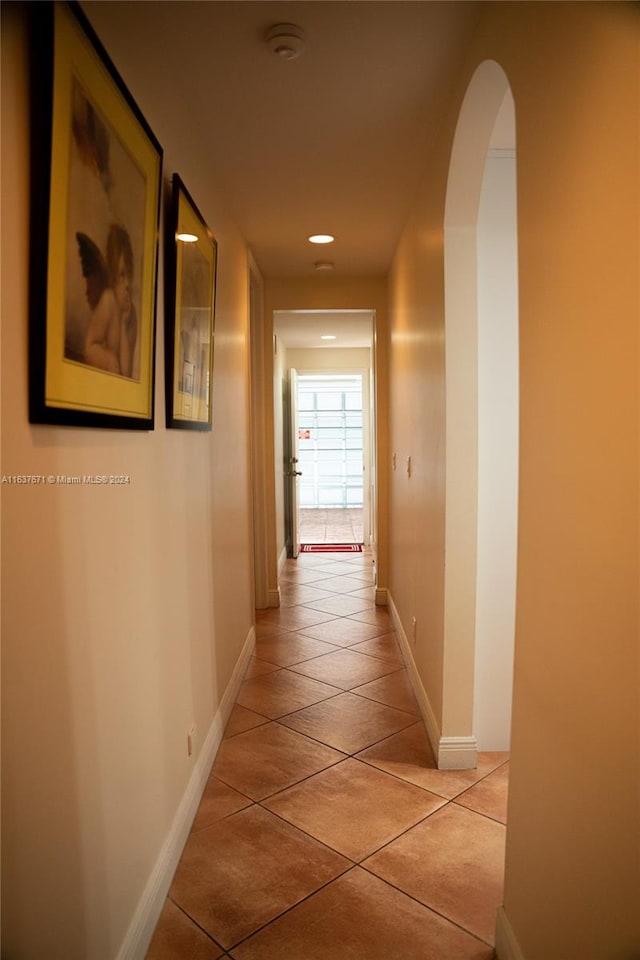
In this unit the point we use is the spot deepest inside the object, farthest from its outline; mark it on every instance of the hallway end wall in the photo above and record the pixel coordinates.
(125, 609)
(573, 833)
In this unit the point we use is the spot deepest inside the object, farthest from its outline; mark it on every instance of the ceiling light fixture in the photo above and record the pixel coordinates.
(285, 40)
(321, 238)
(328, 336)
(324, 265)
(186, 237)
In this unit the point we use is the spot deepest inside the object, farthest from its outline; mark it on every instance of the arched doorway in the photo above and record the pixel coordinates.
(481, 423)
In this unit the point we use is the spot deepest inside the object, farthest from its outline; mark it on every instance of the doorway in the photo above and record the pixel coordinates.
(325, 440)
(331, 458)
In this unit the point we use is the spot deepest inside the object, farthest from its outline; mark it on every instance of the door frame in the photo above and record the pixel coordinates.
(368, 430)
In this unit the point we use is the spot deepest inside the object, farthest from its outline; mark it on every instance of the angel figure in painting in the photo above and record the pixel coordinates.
(113, 328)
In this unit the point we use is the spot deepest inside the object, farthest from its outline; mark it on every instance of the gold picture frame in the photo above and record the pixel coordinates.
(191, 265)
(97, 172)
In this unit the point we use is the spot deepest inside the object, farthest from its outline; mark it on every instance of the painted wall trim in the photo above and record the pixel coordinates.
(382, 597)
(428, 716)
(507, 947)
(145, 918)
(273, 597)
(457, 753)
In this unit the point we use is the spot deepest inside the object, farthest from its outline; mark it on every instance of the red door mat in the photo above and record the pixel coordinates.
(331, 548)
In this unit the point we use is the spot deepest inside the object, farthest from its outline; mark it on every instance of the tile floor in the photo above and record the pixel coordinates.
(325, 831)
(337, 525)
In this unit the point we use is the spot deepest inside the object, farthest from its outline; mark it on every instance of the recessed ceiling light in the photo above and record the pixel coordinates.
(186, 237)
(321, 238)
(327, 336)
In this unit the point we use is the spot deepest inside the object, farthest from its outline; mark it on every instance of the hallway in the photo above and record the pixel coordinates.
(325, 830)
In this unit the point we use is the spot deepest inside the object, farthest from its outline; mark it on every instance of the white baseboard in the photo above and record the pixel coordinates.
(382, 597)
(507, 947)
(457, 753)
(273, 598)
(428, 716)
(451, 753)
(138, 937)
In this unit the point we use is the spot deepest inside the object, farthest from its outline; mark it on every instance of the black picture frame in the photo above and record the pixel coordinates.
(190, 296)
(96, 177)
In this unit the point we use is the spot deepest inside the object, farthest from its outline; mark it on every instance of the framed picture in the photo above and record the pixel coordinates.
(97, 171)
(191, 262)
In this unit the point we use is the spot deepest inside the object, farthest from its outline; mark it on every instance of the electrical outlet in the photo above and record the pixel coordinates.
(393, 461)
(414, 629)
(408, 466)
(191, 738)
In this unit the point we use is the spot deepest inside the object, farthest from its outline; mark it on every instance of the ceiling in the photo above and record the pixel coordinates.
(303, 329)
(336, 141)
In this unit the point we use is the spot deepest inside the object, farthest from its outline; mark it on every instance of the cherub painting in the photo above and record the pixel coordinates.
(105, 227)
(112, 331)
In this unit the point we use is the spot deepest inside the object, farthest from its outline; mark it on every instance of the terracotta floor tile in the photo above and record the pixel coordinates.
(394, 689)
(269, 758)
(451, 783)
(343, 632)
(335, 806)
(490, 796)
(295, 618)
(379, 616)
(343, 567)
(288, 648)
(343, 584)
(264, 874)
(283, 692)
(365, 593)
(344, 668)
(365, 573)
(246, 870)
(310, 561)
(267, 628)
(242, 719)
(358, 917)
(178, 936)
(347, 722)
(453, 862)
(384, 647)
(298, 575)
(292, 594)
(408, 755)
(342, 606)
(257, 668)
(218, 801)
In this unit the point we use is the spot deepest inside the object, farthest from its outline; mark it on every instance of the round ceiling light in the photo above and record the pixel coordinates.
(285, 40)
(321, 238)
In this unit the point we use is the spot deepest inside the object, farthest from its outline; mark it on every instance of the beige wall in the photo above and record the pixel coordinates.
(572, 843)
(332, 359)
(333, 293)
(124, 608)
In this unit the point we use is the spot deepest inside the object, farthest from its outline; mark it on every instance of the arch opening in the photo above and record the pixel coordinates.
(481, 330)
